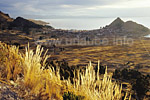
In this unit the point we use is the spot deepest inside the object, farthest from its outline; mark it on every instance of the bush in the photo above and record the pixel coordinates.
(66, 71)
(140, 83)
(141, 86)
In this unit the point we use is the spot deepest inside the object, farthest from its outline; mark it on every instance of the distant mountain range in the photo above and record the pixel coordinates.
(117, 27)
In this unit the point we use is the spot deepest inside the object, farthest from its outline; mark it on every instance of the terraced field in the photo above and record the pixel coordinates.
(136, 56)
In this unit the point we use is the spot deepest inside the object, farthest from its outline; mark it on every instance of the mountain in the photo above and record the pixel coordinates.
(4, 20)
(20, 22)
(128, 28)
(26, 25)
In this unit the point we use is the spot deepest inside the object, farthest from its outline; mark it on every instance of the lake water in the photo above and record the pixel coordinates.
(147, 36)
(91, 23)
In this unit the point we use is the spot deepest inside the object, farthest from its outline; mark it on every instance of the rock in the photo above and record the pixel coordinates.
(6, 93)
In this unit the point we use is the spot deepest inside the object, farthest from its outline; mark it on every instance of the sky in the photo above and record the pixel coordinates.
(38, 9)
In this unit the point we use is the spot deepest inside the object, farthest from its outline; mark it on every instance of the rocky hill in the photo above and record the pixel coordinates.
(4, 20)
(120, 28)
(22, 23)
(129, 28)
(5, 17)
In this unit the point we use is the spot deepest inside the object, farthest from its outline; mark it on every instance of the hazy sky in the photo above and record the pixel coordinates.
(76, 8)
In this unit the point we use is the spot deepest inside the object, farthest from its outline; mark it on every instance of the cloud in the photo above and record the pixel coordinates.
(53, 8)
(25, 7)
(130, 4)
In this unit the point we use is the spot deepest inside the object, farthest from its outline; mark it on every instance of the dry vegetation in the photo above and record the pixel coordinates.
(46, 84)
(117, 55)
(10, 61)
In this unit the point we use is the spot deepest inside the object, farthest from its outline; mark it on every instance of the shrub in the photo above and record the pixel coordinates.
(141, 86)
(140, 83)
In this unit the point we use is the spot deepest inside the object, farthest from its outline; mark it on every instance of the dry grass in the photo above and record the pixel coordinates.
(115, 55)
(36, 78)
(46, 83)
(10, 62)
(94, 87)
(33, 69)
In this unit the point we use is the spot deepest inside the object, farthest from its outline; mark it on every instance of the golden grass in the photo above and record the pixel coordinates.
(10, 61)
(94, 87)
(47, 83)
(36, 78)
(32, 68)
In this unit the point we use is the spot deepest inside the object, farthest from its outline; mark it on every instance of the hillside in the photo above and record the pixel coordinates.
(129, 28)
(20, 22)
(4, 20)
(134, 27)
(5, 17)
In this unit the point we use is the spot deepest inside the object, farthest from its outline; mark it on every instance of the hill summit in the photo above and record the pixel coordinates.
(117, 23)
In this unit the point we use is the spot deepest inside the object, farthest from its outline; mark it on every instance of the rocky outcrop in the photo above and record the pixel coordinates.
(5, 20)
